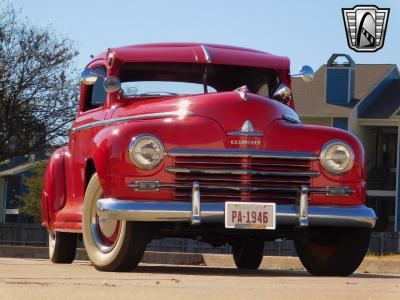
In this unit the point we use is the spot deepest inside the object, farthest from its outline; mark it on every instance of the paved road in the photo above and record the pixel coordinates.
(39, 279)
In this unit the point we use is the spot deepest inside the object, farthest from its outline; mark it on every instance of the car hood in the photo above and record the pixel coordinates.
(229, 109)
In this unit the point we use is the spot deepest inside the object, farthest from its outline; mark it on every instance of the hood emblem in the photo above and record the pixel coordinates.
(246, 130)
(247, 126)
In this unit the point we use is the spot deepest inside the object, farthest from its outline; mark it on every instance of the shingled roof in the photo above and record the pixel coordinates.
(386, 104)
(309, 96)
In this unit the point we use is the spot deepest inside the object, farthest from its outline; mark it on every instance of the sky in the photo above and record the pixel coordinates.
(308, 32)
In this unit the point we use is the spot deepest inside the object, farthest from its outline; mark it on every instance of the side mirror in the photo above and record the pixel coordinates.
(89, 76)
(282, 93)
(306, 73)
(112, 84)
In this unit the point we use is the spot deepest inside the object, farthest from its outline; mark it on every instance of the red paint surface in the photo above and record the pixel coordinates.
(213, 116)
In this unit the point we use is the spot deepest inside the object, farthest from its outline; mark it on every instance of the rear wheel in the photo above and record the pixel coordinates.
(62, 247)
(333, 251)
(248, 254)
(111, 245)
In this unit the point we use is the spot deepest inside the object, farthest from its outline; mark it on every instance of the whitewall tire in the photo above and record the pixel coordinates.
(110, 245)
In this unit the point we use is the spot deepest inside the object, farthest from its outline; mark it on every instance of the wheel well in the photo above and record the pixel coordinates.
(90, 170)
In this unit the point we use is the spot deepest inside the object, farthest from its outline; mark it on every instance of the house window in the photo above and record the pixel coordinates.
(12, 201)
(341, 123)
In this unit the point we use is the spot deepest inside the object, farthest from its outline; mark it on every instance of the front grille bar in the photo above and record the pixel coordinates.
(292, 165)
(295, 181)
(243, 153)
(269, 198)
(233, 188)
(177, 170)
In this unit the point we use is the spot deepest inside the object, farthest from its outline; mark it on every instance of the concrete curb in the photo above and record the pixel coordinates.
(369, 265)
(149, 257)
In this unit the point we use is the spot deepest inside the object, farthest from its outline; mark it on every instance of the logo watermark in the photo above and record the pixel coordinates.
(365, 27)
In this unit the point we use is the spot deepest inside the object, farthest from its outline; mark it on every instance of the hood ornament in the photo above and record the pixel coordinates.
(243, 90)
(246, 130)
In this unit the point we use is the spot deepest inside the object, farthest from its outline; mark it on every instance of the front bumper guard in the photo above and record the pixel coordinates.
(299, 214)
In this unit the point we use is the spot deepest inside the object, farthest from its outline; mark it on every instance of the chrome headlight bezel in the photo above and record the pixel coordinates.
(324, 159)
(133, 153)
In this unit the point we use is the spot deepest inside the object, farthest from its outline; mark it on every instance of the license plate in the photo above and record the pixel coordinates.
(250, 215)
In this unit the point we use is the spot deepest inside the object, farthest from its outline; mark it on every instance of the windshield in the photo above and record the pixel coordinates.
(165, 79)
(149, 88)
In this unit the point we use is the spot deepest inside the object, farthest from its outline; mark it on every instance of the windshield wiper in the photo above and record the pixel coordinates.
(152, 94)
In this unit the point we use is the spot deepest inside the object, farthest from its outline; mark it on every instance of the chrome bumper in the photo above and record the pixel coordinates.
(299, 214)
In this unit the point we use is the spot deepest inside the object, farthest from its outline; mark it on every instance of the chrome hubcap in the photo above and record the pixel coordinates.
(107, 227)
(105, 232)
(52, 243)
(52, 239)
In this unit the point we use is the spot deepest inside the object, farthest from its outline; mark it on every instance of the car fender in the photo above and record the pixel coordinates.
(53, 194)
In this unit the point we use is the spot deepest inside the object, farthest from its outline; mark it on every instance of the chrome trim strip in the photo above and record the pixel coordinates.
(212, 212)
(288, 118)
(249, 153)
(87, 126)
(145, 186)
(206, 53)
(169, 114)
(243, 133)
(175, 170)
(327, 190)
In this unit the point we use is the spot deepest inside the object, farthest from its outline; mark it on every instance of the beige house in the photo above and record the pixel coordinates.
(365, 100)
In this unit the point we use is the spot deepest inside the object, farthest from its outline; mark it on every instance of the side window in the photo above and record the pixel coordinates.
(96, 95)
(263, 90)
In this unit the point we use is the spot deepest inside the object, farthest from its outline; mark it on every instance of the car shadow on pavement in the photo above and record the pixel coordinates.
(216, 271)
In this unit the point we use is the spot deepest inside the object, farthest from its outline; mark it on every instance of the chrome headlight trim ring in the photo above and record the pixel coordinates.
(132, 153)
(324, 159)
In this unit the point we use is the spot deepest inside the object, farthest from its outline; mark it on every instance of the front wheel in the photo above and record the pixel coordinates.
(333, 251)
(110, 245)
(62, 247)
(248, 254)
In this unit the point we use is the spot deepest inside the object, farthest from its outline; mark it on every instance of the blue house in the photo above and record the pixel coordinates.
(12, 173)
(365, 100)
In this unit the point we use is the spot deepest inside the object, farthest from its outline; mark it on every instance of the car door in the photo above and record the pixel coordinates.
(92, 111)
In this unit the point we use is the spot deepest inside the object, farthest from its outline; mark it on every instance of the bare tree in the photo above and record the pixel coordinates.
(38, 86)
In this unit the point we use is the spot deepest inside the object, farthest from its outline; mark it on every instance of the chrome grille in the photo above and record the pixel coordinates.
(240, 175)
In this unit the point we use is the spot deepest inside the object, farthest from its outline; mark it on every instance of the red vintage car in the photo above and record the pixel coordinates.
(202, 141)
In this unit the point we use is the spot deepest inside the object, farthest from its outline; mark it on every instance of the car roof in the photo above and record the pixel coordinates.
(197, 53)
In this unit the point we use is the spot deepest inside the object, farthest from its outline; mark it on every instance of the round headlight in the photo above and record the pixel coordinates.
(337, 157)
(146, 151)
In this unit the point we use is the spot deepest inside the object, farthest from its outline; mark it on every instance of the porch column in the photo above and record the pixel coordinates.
(397, 211)
(2, 199)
